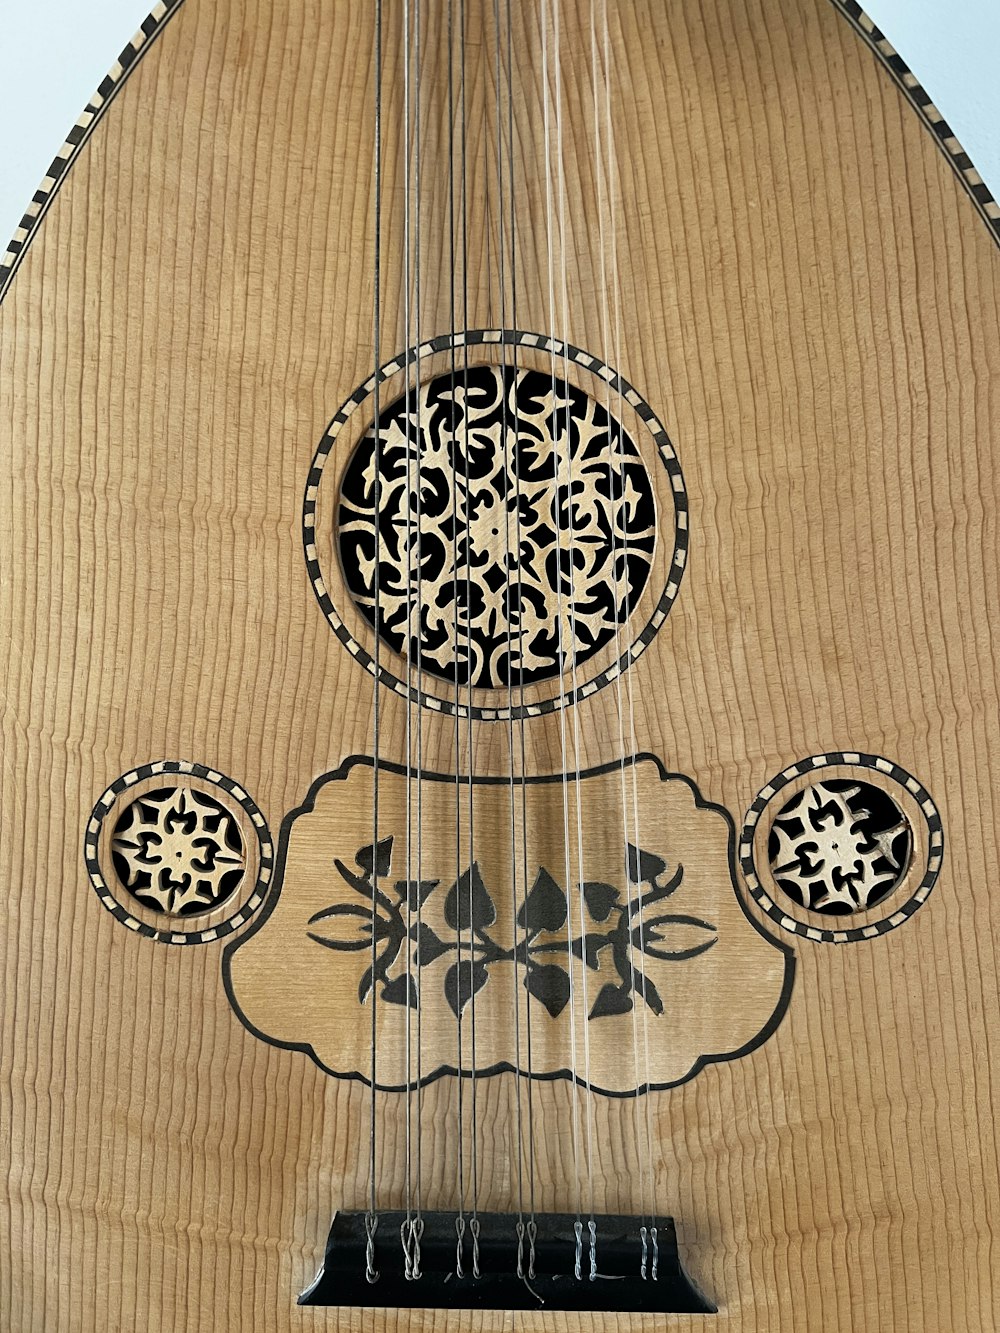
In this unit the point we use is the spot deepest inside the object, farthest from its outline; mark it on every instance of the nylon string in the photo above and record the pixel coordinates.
(460, 1212)
(605, 189)
(570, 523)
(564, 523)
(650, 1255)
(510, 454)
(557, 524)
(532, 1227)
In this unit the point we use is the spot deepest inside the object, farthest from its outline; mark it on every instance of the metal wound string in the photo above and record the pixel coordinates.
(507, 451)
(406, 1229)
(575, 1113)
(474, 1222)
(573, 669)
(371, 1220)
(418, 1224)
(601, 167)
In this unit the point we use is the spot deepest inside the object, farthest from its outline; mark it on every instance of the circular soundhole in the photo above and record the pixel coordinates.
(178, 850)
(839, 846)
(841, 835)
(510, 521)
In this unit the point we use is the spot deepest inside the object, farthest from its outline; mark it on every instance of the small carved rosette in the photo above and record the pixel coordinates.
(841, 847)
(178, 852)
(621, 936)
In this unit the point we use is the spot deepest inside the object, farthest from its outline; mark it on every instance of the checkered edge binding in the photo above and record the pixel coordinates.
(168, 767)
(80, 133)
(566, 352)
(852, 759)
(989, 209)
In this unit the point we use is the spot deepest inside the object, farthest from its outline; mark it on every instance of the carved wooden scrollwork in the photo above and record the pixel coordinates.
(178, 850)
(528, 540)
(840, 846)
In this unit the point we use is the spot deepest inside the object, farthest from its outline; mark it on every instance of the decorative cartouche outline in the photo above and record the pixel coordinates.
(505, 1067)
(478, 339)
(175, 768)
(815, 764)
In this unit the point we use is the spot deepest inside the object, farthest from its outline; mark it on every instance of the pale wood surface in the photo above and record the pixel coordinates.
(299, 992)
(811, 303)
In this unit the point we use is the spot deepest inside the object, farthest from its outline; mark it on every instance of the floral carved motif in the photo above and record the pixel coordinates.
(497, 935)
(527, 542)
(839, 846)
(178, 850)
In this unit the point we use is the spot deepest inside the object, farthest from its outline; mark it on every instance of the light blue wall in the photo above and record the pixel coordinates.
(53, 54)
(953, 47)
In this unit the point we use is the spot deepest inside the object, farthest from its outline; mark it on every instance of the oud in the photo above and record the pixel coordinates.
(499, 559)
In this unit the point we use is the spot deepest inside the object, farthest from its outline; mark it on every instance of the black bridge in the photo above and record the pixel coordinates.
(547, 1263)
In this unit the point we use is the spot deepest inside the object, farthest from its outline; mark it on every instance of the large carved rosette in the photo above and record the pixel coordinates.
(532, 537)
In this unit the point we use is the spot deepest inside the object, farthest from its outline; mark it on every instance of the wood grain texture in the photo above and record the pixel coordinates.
(811, 304)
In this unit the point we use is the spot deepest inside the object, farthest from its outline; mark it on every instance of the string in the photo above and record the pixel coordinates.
(474, 1222)
(629, 687)
(460, 1216)
(532, 1228)
(418, 1225)
(509, 455)
(371, 1220)
(613, 433)
(573, 666)
(575, 1116)
(406, 1229)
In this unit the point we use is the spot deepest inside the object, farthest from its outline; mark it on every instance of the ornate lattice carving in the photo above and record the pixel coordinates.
(533, 537)
(839, 846)
(178, 850)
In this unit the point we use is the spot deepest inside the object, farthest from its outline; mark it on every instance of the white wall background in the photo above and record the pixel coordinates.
(54, 53)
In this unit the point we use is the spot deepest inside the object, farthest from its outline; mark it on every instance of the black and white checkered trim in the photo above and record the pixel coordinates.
(568, 353)
(79, 134)
(853, 759)
(168, 767)
(908, 83)
(987, 206)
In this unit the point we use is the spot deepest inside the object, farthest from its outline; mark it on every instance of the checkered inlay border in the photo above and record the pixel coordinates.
(919, 99)
(815, 763)
(171, 767)
(151, 28)
(566, 352)
(908, 83)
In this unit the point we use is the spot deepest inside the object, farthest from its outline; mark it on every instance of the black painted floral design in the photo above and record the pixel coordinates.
(385, 924)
